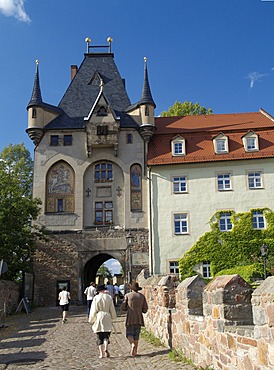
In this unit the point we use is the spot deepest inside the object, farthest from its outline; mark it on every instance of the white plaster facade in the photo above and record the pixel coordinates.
(197, 162)
(201, 200)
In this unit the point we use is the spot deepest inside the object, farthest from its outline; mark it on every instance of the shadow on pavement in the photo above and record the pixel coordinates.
(24, 358)
(22, 343)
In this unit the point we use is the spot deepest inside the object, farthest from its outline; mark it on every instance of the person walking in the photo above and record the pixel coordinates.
(90, 292)
(135, 305)
(116, 294)
(64, 299)
(102, 311)
(110, 288)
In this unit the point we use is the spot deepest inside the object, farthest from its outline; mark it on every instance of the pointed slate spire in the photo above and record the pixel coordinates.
(146, 93)
(36, 97)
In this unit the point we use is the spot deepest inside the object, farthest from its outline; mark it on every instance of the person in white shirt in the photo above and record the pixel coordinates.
(102, 312)
(64, 298)
(90, 292)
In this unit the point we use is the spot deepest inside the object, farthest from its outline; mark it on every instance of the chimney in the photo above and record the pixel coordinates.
(73, 71)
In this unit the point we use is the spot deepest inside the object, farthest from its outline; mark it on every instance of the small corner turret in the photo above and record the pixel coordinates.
(39, 113)
(147, 107)
(34, 129)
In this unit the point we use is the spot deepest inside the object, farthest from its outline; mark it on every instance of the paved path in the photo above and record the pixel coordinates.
(39, 340)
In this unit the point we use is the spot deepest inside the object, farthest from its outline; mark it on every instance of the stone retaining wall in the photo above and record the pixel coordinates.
(225, 324)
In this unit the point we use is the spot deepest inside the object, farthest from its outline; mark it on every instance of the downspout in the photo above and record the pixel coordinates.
(151, 255)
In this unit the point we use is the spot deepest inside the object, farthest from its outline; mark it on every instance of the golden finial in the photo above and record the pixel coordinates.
(109, 40)
(145, 59)
(88, 40)
(37, 61)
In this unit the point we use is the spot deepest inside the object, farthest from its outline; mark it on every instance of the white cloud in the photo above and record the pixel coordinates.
(113, 265)
(255, 76)
(14, 8)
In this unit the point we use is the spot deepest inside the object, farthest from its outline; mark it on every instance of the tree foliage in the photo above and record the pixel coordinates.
(104, 272)
(236, 248)
(186, 109)
(17, 210)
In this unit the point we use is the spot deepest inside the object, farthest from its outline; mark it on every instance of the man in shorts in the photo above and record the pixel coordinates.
(64, 298)
(135, 304)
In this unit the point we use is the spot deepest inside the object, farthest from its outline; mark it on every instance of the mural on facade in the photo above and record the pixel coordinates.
(136, 187)
(60, 188)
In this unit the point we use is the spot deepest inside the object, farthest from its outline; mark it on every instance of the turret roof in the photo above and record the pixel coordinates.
(146, 93)
(36, 96)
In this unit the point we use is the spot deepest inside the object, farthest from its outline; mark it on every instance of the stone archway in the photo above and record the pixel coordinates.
(92, 265)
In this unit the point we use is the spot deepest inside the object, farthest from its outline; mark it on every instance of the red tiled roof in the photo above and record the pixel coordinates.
(199, 131)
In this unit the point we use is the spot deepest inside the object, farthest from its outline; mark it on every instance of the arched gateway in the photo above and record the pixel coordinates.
(92, 266)
(73, 258)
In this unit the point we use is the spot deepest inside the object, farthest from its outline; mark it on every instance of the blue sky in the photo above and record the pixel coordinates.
(219, 53)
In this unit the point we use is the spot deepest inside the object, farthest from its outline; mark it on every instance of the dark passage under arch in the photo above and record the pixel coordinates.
(92, 267)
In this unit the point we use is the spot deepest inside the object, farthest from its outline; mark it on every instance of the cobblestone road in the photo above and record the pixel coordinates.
(39, 340)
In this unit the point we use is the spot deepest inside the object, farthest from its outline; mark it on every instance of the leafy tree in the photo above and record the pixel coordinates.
(234, 249)
(17, 210)
(186, 109)
(104, 272)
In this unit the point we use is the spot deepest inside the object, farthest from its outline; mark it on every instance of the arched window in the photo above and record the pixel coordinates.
(136, 187)
(60, 188)
(34, 113)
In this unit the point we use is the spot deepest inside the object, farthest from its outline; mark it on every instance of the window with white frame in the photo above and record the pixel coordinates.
(178, 146)
(224, 181)
(179, 184)
(258, 220)
(255, 180)
(251, 142)
(180, 223)
(225, 222)
(173, 267)
(206, 269)
(220, 143)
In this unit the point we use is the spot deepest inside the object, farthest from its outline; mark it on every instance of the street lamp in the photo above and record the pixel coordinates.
(129, 239)
(264, 254)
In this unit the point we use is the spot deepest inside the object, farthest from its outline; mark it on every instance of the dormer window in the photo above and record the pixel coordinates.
(251, 142)
(220, 143)
(102, 111)
(178, 146)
